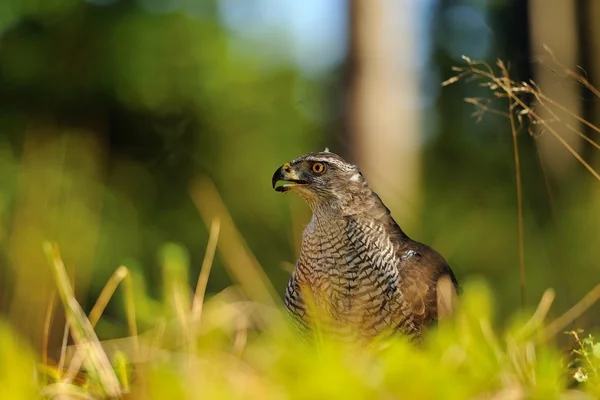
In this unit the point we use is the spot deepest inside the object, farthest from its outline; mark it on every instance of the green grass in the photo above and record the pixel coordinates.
(232, 345)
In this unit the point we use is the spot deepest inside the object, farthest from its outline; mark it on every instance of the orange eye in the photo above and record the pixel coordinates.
(318, 168)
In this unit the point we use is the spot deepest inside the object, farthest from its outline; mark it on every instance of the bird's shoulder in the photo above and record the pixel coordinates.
(420, 269)
(415, 256)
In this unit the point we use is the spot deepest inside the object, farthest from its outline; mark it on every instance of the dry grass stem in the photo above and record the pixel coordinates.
(47, 326)
(209, 256)
(537, 319)
(240, 263)
(120, 275)
(502, 86)
(560, 323)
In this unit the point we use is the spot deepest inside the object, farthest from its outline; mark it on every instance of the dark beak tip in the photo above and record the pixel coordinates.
(277, 176)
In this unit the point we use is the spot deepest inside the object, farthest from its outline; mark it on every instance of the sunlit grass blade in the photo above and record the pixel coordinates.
(95, 361)
(559, 324)
(122, 369)
(209, 256)
(120, 275)
(175, 262)
(240, 263)
(63, 346)
(47, 324)
(536, 321)
(66, 391)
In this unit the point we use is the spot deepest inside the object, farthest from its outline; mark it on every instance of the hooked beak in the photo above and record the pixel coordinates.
(287, 174)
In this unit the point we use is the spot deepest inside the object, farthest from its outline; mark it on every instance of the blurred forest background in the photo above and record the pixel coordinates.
(111, 110)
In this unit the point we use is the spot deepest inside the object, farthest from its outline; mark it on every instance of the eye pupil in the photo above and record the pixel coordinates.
(318, 168)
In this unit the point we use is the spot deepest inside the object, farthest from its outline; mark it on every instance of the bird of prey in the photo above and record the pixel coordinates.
(357, 269)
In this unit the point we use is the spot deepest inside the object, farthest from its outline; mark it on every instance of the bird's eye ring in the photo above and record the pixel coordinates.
(318, 168)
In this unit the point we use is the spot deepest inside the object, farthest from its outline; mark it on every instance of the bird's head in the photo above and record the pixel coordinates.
(323, 180)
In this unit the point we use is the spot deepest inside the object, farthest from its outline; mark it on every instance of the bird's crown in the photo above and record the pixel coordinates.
(326, 157)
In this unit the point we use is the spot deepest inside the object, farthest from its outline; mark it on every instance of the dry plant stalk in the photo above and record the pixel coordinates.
(519, 108)
(502, 86)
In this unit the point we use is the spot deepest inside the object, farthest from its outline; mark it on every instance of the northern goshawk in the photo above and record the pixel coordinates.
(357, 268)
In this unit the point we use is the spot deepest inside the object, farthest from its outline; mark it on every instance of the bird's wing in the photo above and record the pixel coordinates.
(420, 270)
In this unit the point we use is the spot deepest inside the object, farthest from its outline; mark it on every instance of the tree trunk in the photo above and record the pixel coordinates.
(553, 24)
(384, 119)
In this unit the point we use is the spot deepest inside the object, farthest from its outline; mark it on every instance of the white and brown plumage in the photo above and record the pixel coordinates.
(361, 271)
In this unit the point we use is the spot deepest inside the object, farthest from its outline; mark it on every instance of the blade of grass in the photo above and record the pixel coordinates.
(240, 263)
(95, 360)
(175, 261)
(120, 275)
(47, 325)
(63, 348)
(539, 315)
(130, 310)
(69, 391)
(241, 335)
(106, 294)
(120, 361)
(560, 323)
(209, 256)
